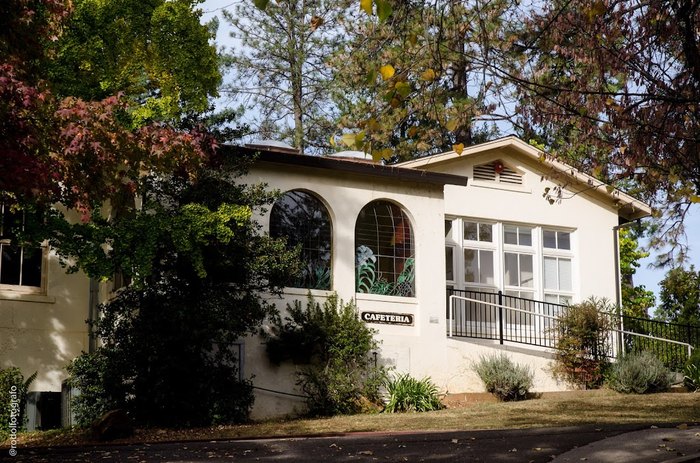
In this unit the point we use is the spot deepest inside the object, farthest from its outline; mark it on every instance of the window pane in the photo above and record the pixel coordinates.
(564, 240)
(449, 262)
(551, 298)
(448, 229)
(471, 231)
(10, 266)
(31, 267)
(471, 266)
(303, 221)
(485, 232)
(486, 270)
(510, 234)
(526, 273)
(550, 273)
(385, 262)
(511, 269)
(565, 283)
(525, 235)
(549, 239)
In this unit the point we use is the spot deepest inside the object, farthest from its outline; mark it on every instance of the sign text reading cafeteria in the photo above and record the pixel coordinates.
(388, 318)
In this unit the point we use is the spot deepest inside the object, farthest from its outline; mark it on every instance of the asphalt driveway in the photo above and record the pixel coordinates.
(579, 443)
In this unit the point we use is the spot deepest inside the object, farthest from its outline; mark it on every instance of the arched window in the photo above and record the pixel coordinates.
(303, 220)
(384, 251)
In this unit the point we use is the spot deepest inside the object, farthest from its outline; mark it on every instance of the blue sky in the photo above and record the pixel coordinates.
(650, 277)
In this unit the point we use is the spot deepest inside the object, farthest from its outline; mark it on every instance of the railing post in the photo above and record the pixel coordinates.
(450, 301)
(500, 316)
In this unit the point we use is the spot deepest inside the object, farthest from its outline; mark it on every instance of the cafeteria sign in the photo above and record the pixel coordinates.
(387, 318)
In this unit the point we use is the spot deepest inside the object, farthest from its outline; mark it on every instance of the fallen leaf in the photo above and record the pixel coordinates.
(387, 71)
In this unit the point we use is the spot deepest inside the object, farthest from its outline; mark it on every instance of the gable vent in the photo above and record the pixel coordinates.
(497, 172)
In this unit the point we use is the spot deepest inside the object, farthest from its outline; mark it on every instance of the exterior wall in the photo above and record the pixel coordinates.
(43, 333)
(591, 218)
(418, 349)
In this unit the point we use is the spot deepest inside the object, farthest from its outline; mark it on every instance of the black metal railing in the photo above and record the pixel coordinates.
(530, 323)
(672, 354)
(496, 316)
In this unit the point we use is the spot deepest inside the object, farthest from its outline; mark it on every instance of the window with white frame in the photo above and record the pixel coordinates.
(557, 266)
(518, 261)
(478, 255)
(450, 246)
(524, 261)
(21, 267)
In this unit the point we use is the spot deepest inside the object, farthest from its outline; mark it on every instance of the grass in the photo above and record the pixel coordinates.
(582, 407)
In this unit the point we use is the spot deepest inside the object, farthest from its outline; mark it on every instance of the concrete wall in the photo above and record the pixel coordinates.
(43, 333)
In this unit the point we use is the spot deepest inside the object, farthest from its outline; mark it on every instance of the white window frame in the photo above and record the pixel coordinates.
(9, 289)
(478, 246)
(500, 248)
(563, 296)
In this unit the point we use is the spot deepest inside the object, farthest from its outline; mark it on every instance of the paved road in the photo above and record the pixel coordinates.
(531, 445)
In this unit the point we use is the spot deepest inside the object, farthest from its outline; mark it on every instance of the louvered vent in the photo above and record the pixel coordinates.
(497, 172)
(486, 172)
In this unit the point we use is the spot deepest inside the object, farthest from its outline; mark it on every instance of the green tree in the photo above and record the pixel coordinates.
(636, 300)
(198, 264)
(680, 296)
(281, 70)
(155, 52)
(420, 91)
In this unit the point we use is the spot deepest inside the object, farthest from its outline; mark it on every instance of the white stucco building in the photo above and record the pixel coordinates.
(500, 216)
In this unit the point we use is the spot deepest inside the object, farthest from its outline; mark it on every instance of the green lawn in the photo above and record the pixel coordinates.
(582, 407)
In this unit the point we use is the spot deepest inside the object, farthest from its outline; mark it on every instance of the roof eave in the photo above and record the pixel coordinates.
(350, 166)
(629, 207)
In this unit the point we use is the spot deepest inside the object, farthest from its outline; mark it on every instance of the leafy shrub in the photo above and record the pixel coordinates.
(87, 373)
(639, 373)
(583, 343)
(503, 378)
(339, 376)
(13, 397)
(407, 394)
(692, 371)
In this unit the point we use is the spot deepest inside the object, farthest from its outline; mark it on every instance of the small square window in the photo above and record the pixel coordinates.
(519, 236)
(556, 240)
(477, 231)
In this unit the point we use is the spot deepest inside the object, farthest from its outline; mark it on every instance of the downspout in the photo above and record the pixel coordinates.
(618, 282)
(92, 314)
